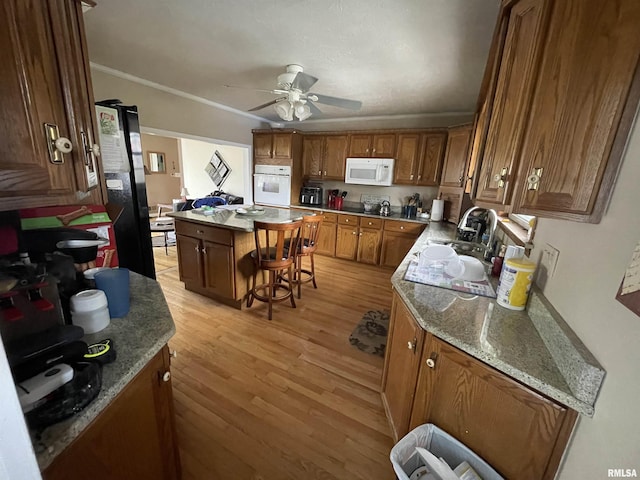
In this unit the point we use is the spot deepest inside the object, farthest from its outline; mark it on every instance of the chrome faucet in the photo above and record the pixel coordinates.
(491, 227)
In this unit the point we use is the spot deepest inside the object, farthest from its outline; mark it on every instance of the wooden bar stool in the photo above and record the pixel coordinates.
(273, 255)
(306, 247)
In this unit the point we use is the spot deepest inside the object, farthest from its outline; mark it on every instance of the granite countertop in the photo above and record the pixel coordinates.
(138, 337)
(535, 346)
(358, 209)
(227, 217)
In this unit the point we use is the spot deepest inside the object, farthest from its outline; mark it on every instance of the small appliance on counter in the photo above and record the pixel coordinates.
(311, 195)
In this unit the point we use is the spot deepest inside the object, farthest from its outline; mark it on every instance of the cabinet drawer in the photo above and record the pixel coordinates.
(348, 220)
(367, 222)
(328, 217)
(404, 227)
(212, 234)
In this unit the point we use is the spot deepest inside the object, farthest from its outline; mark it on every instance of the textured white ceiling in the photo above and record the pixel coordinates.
(399, 57)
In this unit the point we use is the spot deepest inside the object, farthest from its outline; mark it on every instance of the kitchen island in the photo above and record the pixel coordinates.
(134, 406)
(509, 384)
(213, 249)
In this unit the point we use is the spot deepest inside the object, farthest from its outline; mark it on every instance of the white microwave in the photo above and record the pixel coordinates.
(369, 171)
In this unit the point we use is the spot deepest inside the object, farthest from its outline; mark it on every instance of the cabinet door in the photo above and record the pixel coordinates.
(401, 363)
(327, 239)
(133, 438)
(190, 260)
(282, 145)
(431, 158)
(359, 145)
(347, 242)
(31, 96)
(577, 129)
(407, 159)
(369, 243)
(335, 156)
(262, 143)
(383, 145)
(516, 77)
(218, 269)
(395, 247)
(513, 428)
(453, 203)
(456, 156)
(312, 155)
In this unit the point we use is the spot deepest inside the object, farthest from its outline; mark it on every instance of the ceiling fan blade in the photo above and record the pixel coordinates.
(303, 82)
(338, 102)
(264, 105)
(276, 91)
(314, 110)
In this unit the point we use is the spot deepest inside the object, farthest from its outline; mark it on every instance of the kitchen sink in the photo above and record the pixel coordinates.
(473, 249)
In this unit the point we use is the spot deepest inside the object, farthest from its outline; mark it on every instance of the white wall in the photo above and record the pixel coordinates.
(592, 262)
(195, 156)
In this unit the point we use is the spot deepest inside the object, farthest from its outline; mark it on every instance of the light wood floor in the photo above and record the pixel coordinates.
(286, 399)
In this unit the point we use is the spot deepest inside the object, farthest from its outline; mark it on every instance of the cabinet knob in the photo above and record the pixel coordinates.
(325, 173)
(533, 180)
(419, 177)
(360, 234)
(353, 233)
(411, 177)
(412, 345)
(370, 223)
(431, 361)
(63, 145)
(95, 149)
(346, 220)
(173, 354)
(401, 227)
(166, 376)
(199, 232)
(500, 178)
(197, 248)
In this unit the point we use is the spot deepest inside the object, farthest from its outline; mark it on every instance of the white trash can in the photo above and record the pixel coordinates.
(405, 459)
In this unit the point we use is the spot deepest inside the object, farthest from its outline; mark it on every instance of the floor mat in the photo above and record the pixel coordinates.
(370, 335)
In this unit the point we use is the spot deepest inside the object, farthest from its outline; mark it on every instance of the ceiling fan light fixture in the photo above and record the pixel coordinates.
(302, 111)
(284, 110)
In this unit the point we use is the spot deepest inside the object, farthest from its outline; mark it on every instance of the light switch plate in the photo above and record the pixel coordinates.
(549, 259)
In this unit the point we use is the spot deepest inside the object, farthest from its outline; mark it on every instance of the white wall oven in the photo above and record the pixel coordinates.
(272, 185)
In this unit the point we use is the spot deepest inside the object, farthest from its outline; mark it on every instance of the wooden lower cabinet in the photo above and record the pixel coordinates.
(397, 239)
(347, 242)
(519, 432)
(401, 364)
(134, 438)
(327, 235)
(214, 261)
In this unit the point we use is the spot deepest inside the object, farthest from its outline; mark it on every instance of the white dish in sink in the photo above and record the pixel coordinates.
(473, 269)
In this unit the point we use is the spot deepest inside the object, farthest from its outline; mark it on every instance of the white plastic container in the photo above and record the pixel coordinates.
(515, 283)
(90, 311)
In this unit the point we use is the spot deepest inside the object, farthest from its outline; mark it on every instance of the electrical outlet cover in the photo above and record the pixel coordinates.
(549, 259)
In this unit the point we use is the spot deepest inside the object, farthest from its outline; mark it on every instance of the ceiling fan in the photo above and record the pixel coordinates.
(296, 100)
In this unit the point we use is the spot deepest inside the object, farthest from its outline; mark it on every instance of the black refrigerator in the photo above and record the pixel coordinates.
(123, 167)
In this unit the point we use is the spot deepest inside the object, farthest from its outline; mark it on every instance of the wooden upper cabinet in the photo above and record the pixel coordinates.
(407, 158)
(324, 156)
(335, 156)
(520, 433)
(45, 81)
(430, 165)
(515, 81)
(276, 147)
(380, 145)
(313, 155)
(419, 158)
(586, 97)
(454, 171)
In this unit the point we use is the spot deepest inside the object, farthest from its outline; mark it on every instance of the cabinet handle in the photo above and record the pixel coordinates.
(412, 345)
(56, 144)
(197, 249)
(204, 250)
(166, 376)
(431, 361)
(533, 180)
(501, 177)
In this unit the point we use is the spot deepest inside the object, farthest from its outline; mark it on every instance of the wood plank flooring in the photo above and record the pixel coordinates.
(286, 399)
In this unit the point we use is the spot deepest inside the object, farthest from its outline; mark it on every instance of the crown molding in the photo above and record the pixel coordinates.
(173, 91)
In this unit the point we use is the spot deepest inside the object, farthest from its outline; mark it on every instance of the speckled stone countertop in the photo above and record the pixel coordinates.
(534, 346)
(137, 338)
(227, 217)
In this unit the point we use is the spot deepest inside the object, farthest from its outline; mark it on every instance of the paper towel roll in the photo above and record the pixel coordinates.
(437, 209)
